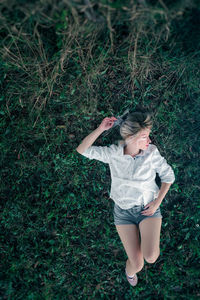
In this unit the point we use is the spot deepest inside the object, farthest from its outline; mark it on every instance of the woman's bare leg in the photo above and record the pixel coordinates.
(129, 235)
(150, 238)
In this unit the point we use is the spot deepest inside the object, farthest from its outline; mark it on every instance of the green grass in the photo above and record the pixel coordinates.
(62, 71)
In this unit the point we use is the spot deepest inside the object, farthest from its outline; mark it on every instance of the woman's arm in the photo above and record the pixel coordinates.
(106, 124)
(89, 140)
(163, 191)
(151, 207)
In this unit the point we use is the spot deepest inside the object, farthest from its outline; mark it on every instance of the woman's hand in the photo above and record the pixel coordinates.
(150, 208)
(107, 123)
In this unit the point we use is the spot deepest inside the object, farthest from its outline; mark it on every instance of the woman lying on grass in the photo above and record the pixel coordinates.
(133, 166)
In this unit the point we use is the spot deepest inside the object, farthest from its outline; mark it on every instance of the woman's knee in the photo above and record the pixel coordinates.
(151, 257)
(137, 262)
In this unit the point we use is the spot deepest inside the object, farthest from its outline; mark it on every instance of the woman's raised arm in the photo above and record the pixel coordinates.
(106, 124)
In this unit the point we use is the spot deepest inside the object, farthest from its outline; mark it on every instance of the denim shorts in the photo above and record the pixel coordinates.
(132, 215)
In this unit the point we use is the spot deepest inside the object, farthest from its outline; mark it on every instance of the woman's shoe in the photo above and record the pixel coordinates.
(133, 281)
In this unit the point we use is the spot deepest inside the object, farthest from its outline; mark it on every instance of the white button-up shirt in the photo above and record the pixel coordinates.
(132, 178)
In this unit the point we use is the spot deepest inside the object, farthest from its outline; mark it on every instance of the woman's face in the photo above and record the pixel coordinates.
(141, 139)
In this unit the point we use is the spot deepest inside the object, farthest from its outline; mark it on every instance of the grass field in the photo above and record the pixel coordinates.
(66, 65)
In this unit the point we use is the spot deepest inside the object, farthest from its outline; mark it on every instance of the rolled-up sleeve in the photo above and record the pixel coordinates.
(161, 167)
(102, 153)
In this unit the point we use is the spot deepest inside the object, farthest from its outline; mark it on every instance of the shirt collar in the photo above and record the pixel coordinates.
(142, 152)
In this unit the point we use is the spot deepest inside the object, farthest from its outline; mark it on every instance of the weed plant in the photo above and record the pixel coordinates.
(66, 65)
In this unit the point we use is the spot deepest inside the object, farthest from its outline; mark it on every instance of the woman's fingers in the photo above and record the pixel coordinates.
(146, 213)
(110, 119)
(146, 206)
